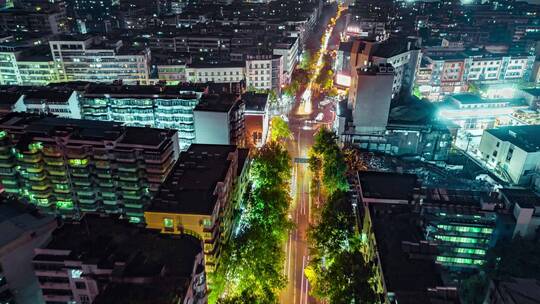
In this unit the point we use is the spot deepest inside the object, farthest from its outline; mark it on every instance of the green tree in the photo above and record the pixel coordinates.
(345, 279)
(252, 259)
(337, 271)
(335, 229)
(334, 168)
(279, 129)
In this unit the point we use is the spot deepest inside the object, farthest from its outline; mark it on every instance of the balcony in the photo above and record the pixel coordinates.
(51, 285)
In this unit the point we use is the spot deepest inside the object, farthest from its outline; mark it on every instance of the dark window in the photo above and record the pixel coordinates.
(80, 285)
(494, 153)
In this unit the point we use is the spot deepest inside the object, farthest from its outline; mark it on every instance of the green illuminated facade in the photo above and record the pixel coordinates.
(17, 68)
(168, 107)
(462, 238)
(84, 166)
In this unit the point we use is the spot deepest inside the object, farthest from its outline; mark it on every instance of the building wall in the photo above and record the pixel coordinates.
(370, 101)
(166, 113)
(259, 73)
(172, 72)
(519, 164)
(77, 61)
(70, 109)
(215, 74)
(67, 178)
(290, 58)
(212, 127)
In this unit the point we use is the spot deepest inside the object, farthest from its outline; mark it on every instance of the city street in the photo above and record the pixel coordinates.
(303, 125)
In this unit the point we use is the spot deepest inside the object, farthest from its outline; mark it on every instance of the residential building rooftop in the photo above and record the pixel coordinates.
(387, 185)
(406, 258)
(190, 186)
(522, 196)
(217, 103)
(255, 102)
(144, 91)
(525, 137)
(107, 241)
(82, 129)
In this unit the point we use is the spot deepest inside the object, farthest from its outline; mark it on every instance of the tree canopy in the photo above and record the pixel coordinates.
(251, 262)
(280, 129)
(338, 272)
(327, 160)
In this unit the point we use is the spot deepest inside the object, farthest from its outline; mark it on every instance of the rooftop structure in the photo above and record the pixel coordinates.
(198, 196)
(103, 255)
(373, 187)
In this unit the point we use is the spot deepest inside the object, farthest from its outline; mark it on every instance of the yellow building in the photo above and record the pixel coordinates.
(199, 196)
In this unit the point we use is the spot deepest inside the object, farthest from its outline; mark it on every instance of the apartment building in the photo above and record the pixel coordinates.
(222, 72)
(168, 107)
(461, 223)
(264, 72)
(288, 50)
(27, 66)
(219, 119)
(200, 196)
(440, 75)
(71, 166)
(514, 151)
(402, 54)
(91, 58)
(62, 102)
(102, 260)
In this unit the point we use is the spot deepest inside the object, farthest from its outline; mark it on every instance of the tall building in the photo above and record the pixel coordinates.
(27, 66)
(462, 224)
(219, 119)
(69, 166)
(288, 49)
(101, 260)
(200, 196)
(168, 107)
(89, 58)
(264, 72)
(405, 270)
(23, 230)
(402, 54)
(370, 97)
(257, 118)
